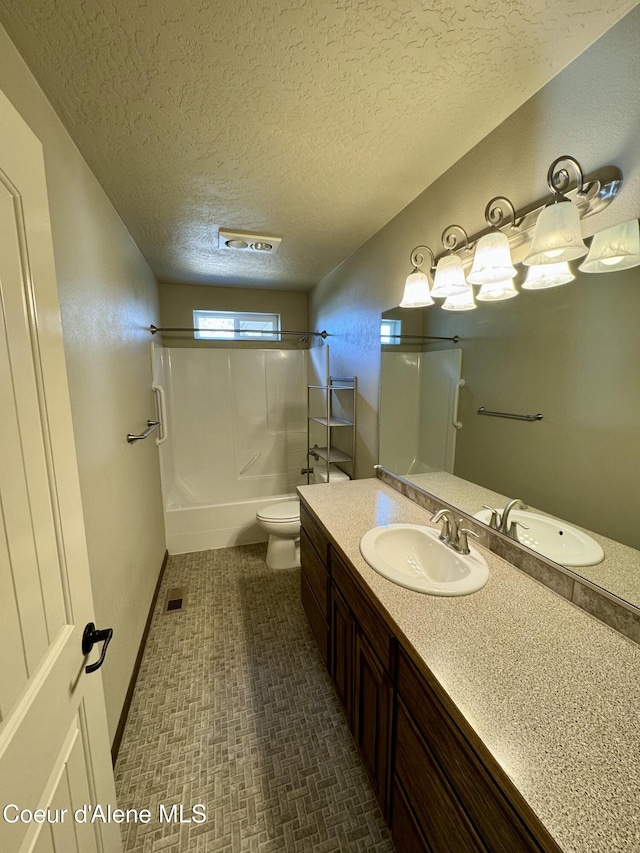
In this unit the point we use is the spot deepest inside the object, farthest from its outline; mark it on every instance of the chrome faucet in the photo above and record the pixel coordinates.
(452, 534)
(511, 530)
(449, 532)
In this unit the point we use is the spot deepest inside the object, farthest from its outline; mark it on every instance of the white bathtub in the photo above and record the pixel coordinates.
(203, 528)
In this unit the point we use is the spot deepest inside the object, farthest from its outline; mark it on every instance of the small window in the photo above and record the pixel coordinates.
(235, 326)
(389, 331)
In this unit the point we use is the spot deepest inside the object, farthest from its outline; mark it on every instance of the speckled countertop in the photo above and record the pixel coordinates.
(552, 692)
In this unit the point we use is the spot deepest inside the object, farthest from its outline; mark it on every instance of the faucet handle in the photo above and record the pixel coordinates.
(494, 521)
(463, 545)
(513, 529)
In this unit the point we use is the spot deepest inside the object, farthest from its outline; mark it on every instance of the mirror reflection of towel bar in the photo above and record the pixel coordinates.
(483, 411)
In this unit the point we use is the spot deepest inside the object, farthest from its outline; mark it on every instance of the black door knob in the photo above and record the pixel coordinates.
(90, 637)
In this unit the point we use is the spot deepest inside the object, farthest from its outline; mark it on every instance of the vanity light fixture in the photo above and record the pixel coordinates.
(615, 248)
(548, 275)
(558, 235)
(449, 278)
(416, 287)
(497, 291)
(461, 302)
(557, 238)
(492, 260)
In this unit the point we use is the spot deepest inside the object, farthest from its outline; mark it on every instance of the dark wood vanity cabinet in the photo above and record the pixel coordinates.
(438, 786)
(453, 788)
(363, 660)
(357, 647)
(365, 692)
(315, 590)
(342, 651)
(430, 808)
(372, 717)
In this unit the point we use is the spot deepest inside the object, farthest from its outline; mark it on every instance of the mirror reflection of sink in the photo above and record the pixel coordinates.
(413, 556)
(554, 539)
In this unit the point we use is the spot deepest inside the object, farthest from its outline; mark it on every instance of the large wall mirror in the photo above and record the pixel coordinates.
(570, 353)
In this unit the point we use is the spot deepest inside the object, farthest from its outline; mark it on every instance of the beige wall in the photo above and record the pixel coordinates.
(108, 295)
(178, 302)
(571, 353)
(590, 111)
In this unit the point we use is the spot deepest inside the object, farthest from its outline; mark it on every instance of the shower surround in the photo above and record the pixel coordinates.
(236, 440)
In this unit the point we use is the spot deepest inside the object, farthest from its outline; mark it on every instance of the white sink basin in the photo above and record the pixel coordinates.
(413, 556)
(553, 538)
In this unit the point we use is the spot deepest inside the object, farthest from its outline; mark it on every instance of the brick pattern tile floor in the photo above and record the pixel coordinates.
(234, 710)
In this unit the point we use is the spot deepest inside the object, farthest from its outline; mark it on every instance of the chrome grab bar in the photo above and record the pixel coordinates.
(483, 411)
(159, 390)
(151, 424)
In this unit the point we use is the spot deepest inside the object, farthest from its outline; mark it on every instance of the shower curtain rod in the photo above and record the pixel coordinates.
(154, 329)
(455, 338)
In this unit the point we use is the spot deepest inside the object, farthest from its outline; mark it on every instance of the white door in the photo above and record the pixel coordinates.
(54, 749)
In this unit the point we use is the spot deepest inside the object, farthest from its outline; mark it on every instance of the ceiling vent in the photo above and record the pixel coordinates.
(245, 241)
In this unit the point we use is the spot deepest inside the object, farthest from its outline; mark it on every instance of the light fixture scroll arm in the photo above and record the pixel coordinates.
(559, 180)
(418, 258)
(451, 237)
(494, 213)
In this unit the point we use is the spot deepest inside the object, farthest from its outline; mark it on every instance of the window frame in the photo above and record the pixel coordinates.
(389, 339)
(235, 334)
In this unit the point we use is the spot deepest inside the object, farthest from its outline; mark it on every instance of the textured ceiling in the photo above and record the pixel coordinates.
(317, 120)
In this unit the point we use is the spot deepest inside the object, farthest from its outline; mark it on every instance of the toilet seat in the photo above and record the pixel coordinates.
(284, 512)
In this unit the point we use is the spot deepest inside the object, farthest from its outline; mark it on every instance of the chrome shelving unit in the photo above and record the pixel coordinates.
(329, 408)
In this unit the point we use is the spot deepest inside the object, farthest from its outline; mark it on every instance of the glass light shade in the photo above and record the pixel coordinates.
(416, 291)
(449, 279)
(460, 302)
(497, 292)
(492, 260)
(557, 236)
(616, 248)
(548, 275)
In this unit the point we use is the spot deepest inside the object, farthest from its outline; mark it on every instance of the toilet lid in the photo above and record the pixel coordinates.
(283, 511)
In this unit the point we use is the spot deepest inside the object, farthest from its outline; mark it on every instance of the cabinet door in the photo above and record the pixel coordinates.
(405, 830)
(316, 537)
(499, 814)
(315, 572)
(438, 811)
(317, 622)
(342, 652)
(372, 717)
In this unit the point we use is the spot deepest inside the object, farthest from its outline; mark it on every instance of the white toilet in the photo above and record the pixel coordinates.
(282, 522)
